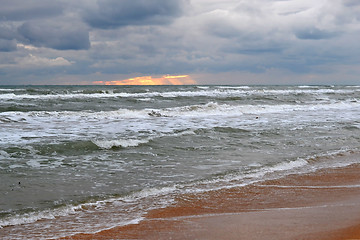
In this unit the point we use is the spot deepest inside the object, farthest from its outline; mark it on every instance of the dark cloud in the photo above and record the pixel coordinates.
(314, 34)
(40, 23)
(19, 10)
(111, 14)
(221, 29)
(7, 45)
(60, 36)
(7, 31)
(165, 36)
(351, 3)
(7, 37)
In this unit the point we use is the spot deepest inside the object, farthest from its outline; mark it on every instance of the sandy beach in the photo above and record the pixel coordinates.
(321, 205)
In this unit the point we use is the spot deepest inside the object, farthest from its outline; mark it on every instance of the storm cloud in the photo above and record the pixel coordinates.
(113, 13)
(7, 45)
(58, 36)
(232, 41)
(20, 10)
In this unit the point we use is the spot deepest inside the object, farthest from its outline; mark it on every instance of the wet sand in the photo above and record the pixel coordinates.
(320, 205)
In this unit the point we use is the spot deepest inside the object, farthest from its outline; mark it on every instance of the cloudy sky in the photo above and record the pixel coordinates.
(211, 41)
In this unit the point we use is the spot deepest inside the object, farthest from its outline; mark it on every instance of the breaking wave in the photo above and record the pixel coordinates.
(108, 144)
(221, 92)
(209, 109)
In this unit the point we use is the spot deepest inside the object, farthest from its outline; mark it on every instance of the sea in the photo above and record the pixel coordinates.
(81, 159)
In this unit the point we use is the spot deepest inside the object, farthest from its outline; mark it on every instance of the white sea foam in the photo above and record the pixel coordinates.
(221, 91)
(4, 154)
(209, 109)
(20, 219)
(125, 143)
(11, 89)
(234, 87)
(33, 163)
(198, 110)
(156, 197)
(134, 202)
(285, 166)
(203, 87)
(229, 181)
(156, 191)
(307, 86)
(213, 108)
(72, 115)
(342, 158)
(145, 99)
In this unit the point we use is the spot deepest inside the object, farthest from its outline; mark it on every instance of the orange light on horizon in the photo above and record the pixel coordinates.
(149, 80)
(98, 82)
(176, 76)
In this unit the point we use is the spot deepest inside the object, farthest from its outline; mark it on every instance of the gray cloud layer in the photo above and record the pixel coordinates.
(60, 36)
(20, 10)
(114, 37)
(113, 13)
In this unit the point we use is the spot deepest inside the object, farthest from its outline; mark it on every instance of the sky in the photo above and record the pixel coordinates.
(180, 42)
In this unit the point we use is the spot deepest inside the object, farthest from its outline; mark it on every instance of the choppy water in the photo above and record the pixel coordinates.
(100, 156)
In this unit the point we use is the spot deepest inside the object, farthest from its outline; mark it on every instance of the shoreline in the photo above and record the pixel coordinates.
(320, 205)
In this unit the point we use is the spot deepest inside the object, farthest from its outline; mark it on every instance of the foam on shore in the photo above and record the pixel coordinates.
(319, 205)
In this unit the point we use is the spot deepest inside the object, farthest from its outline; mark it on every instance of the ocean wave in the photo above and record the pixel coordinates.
(14, 116)
(24, 218)
(285, 166)
(197, 110)
(123, 143)
(4, 154)
(310, 86)
(41, 151)
(234, 87)
(230, 130)
(219, 91)
(133, 205)
(260, 173)
(129, 209)
(65, 148)
(12, 96)
(11, 89)
(211, 108)
(350, 155)
(214, 108)
(202, 87)
(5, 119)
(126, 143)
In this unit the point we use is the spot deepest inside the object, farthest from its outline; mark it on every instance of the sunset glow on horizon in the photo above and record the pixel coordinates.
(149, 80)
